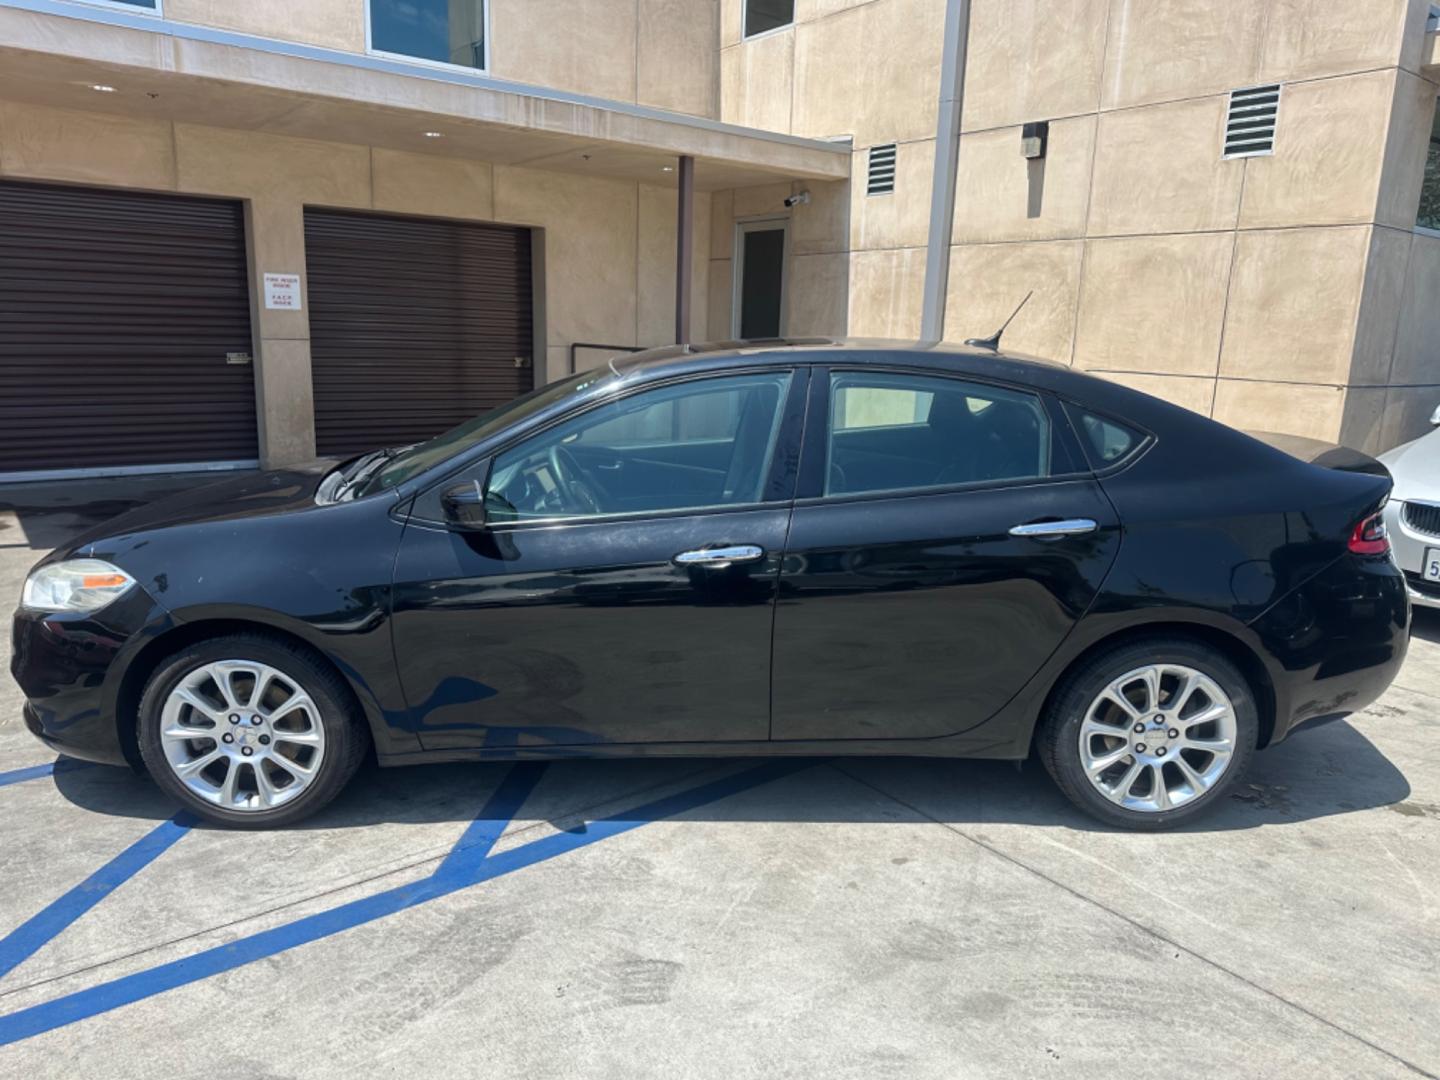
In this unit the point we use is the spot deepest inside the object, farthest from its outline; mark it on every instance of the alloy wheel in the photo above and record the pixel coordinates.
(1158, 737)
(242, 735)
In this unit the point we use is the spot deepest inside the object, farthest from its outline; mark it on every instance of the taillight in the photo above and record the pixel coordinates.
(1370, 537)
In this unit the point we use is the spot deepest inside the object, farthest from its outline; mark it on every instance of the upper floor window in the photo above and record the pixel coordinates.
(144, 5)
(441, 31)
(1429, 214)
(763, 15)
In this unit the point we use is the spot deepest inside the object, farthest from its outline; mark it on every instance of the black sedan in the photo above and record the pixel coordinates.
(803, 548)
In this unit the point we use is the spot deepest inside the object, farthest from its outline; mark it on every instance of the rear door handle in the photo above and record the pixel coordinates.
(1049, 530)
(717, 558)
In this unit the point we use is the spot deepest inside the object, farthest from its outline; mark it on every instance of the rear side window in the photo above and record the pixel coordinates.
(1107, 442)
(896, 432)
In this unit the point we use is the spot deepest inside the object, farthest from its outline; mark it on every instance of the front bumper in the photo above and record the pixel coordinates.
(70, 667)
(1408, 545)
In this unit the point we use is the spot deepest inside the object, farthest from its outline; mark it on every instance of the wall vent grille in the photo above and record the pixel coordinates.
(882, 170)
(1250, 126)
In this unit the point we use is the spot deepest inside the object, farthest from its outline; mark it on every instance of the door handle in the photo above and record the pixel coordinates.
(1051, 530)
(717, 558)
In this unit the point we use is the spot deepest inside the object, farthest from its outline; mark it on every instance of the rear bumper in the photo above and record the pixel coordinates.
(1336, 643)
(70, 668)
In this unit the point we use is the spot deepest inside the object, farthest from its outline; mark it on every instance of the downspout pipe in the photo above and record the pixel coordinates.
(947, 162)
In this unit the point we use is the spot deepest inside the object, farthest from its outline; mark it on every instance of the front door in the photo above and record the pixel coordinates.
(623, 592)
(908, 609)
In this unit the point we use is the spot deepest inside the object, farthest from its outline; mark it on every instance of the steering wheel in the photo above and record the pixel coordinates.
(574, 490)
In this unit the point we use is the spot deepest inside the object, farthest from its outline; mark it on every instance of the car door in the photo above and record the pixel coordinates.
(944, 542)
(622, 591)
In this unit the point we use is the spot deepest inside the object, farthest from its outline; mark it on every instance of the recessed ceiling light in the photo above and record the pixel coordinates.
(434, 134)
(101, 88)
(667, 168)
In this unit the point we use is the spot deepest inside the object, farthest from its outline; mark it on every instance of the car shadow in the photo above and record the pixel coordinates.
(1330, 771)
(1425, 624)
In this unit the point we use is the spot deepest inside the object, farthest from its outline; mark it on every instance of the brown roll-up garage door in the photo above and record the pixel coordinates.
(124, 330)
(415, 325)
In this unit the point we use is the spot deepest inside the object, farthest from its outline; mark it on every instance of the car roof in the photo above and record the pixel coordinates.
(969, 360)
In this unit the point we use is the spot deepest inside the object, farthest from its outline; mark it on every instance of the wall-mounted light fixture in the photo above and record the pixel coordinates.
(1034, 139)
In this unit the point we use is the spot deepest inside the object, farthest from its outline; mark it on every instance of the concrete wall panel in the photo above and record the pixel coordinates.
(333, 24)
(988, 281)
(1033, 60)
(59, 144)
(999, 195)
(1158, 169)
(1329, 148)
(583, 45)
(872, 72)
(1294, 303)
(1154, 304)
(1160, 50)
(1308, 38)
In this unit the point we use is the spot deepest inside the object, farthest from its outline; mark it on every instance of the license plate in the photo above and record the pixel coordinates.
(1431, 566)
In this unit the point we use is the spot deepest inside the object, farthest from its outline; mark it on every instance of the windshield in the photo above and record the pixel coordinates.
(416, 459)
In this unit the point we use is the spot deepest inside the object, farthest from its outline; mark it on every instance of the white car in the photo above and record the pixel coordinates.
(1413, 514)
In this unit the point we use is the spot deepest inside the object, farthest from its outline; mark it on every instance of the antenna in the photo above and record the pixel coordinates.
(993, 341)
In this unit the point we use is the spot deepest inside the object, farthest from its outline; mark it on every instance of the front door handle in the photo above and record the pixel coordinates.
(1050, 530)
(717, 558)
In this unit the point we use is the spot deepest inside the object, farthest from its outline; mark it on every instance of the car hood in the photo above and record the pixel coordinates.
(279, 491)
(1416, 468)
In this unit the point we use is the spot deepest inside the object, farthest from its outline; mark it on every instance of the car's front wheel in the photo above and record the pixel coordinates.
(1150, 734)
(249, 731)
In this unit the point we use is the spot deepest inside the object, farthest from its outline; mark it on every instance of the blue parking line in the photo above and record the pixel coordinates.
(461, 874)
(37, 772)
(40, 929)
(490, 824)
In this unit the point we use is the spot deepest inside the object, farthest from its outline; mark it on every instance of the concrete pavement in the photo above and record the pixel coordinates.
(702, 918)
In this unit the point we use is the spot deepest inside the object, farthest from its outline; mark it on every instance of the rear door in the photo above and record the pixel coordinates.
(944, 544)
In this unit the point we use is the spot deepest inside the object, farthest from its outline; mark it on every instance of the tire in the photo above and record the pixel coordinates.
(1077, 727)
(291, 717)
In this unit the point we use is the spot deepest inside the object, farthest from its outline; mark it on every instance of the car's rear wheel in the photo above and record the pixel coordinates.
(249, 731)
(1150, 734)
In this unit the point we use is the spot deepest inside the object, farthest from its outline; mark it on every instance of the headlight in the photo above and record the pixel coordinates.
(74, 585)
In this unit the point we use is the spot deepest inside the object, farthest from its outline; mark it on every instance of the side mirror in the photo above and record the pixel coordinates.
(1435, 417)
(464, 506)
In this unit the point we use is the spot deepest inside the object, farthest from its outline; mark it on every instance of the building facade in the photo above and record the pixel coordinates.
(254, 232)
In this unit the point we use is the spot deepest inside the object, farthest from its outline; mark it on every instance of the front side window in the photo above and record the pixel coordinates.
(444, 31)
(694, 445)
(1429, 215)
(763, 15)
(892, 432)
(143, 5)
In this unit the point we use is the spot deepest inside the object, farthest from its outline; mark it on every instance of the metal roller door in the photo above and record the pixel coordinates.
(415, 325)
(124, 331)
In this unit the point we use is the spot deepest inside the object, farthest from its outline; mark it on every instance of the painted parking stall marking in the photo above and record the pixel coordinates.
(469, 863)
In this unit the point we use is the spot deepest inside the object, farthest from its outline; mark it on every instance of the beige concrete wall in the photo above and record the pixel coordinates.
(867, 71)
(1283, 292)
(1266, 292)
(609, 251)
(662, 53)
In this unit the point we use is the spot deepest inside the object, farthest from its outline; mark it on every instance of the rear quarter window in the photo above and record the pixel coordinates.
(1107, 441)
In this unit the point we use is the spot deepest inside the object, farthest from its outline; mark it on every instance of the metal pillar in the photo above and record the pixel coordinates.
(947, 161)
(684, 249)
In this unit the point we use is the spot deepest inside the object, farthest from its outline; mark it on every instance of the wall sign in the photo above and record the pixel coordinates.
(282, 292)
